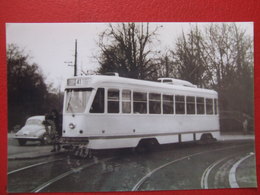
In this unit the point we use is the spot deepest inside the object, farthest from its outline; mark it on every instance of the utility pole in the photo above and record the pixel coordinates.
(75, 61)
(167, 66)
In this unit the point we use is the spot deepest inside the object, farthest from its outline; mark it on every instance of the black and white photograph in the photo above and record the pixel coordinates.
(106, 107)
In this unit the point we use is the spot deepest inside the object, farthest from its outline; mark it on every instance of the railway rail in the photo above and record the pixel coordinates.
(83, 168)
(204, 179)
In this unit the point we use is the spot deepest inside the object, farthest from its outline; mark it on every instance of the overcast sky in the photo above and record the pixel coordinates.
(52, 44)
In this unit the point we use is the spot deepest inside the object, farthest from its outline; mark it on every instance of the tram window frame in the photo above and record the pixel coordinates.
(155, 103)
(215, 106)
(139, 102)
(98, 103)
(209, 106)
(168, 104)
(180, 104)
(190, 104)
(77, 99)
(126, 101)
(200, 105)
(113, 101)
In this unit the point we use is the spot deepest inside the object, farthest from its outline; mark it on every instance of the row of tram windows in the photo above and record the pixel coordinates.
(152, 103)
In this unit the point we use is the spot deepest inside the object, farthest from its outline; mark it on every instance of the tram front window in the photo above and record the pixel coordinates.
(77, 99)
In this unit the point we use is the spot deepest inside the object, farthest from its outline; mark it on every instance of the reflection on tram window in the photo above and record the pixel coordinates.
(190, 101)
(76, 100)
(126, 101)
(154, 103)
(180, 104)
(200, 105)
(98, 103)
(140, 103)
(209, 106)
(168, 107)
(216, 106)
(113, 101)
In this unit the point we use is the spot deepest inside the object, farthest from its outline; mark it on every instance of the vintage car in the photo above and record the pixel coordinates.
(33, 130)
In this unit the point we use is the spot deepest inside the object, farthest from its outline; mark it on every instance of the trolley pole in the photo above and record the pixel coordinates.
(75, 61)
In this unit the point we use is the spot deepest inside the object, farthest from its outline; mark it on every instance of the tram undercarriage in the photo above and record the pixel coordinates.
(80, 147)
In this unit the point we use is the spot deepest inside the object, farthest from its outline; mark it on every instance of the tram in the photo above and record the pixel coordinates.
(107, 112)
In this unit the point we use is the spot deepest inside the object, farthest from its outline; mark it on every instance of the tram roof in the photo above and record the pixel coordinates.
(93, 80)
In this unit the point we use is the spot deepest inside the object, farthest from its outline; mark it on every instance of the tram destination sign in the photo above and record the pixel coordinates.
(78, 81)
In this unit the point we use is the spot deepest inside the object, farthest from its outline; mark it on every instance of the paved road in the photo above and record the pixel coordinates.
(32, 149)
(223, 164)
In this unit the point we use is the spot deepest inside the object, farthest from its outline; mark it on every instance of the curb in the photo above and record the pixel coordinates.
(235, 138)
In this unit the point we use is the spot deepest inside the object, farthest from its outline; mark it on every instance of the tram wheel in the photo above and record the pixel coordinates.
(146, 145)
(207, 138)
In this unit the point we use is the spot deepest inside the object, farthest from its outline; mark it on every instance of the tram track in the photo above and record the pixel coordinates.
(75, 166)
(33, 166)
(70, 172)
(205, 176)
(140, 182)
(114, 175)
(231, 163)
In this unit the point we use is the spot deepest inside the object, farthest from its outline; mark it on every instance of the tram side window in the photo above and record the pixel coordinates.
(140, 102)
(209, 106)
(126, 101)
(168, 104)
(200, 105)
(190, 105)
(216, 106)
(113, 101)
(98, 103)
(154, 103)
(180, 104)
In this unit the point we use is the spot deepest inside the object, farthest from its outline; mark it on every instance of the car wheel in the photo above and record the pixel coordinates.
(21, 142)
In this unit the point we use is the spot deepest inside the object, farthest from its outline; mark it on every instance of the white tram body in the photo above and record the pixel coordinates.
(106, 112)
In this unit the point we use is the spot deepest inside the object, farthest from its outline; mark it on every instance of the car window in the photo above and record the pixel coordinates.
(34, 122)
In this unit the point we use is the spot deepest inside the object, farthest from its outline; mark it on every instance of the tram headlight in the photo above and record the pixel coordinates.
(72, 126)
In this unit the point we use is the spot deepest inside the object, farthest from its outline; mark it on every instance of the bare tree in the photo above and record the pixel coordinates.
(127, 49)
(190, 59)
(219, 56)
(230, 58)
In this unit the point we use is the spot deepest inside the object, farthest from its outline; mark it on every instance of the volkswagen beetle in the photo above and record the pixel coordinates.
(33, 130)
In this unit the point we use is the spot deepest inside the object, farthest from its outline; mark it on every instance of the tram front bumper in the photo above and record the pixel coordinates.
(74, 140)
(72, 143)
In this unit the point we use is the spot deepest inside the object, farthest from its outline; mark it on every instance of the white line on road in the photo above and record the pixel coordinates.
(232, 173)
(141, 181)
(31, 166)
(205, 175)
